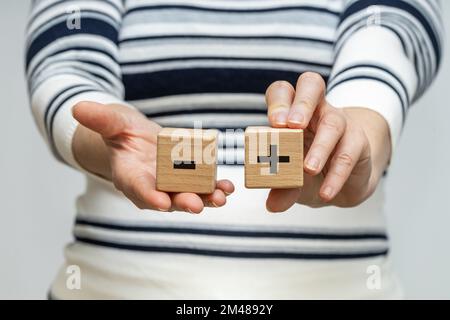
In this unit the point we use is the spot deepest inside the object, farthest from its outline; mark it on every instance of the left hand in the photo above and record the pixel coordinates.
(346, 149)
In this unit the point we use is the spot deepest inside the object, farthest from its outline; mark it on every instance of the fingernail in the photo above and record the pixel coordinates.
(297, 118)
(328, 192)
(279, 118)
(313, 163)
(163, 210)
(214, 204)
(270, 210)
(189, 211)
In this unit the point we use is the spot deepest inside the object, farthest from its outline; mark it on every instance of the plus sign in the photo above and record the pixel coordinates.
(273, 159)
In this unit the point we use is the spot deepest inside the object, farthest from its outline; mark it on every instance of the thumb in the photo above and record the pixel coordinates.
(100, 118)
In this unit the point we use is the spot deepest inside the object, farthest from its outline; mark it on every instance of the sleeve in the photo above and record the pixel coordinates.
(387, 53)
(71, 56)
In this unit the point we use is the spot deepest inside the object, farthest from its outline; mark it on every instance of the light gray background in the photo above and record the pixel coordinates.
(37, 193)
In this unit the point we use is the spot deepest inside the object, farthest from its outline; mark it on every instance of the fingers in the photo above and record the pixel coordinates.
(142, 192)
(216, 199)
(331, 127)
(195, 203)
(294, 108)
(100, 118)
(279, 97)
(226, 186)
(188, 202)
(310, 93)
(353, 148)
(280, 200)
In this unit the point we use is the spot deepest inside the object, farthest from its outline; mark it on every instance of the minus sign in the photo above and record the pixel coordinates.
(184, 165)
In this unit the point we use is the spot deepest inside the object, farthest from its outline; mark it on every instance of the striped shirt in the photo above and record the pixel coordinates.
(179, 62)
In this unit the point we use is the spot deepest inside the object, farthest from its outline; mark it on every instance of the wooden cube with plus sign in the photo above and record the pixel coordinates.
(186, 160)
(273, 158)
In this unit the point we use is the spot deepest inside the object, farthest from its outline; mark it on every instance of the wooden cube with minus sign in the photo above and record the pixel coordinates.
(273, 158)
(186, 160)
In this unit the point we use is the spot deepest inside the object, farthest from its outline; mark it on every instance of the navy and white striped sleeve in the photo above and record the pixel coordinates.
(386, 55)
(71, 56)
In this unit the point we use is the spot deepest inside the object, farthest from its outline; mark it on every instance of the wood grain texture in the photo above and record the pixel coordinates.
(186, 160)
(273, 158)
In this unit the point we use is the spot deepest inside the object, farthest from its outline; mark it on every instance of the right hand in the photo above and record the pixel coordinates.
(119, 143)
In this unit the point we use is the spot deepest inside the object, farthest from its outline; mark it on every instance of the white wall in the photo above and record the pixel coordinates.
(37, 193)
(418, 205)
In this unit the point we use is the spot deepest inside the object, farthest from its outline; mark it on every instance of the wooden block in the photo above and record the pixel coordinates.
(273, 158)
(186, 160)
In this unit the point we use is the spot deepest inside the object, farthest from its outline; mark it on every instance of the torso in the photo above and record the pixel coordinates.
(184, 61)
(212, 61)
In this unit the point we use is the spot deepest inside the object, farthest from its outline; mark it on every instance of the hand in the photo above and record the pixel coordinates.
(346, 149)
(119, 144)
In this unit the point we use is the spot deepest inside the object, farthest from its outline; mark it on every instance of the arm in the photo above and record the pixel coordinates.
(77, 98)
(67, 65)
(383, 63)
(387, 54)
